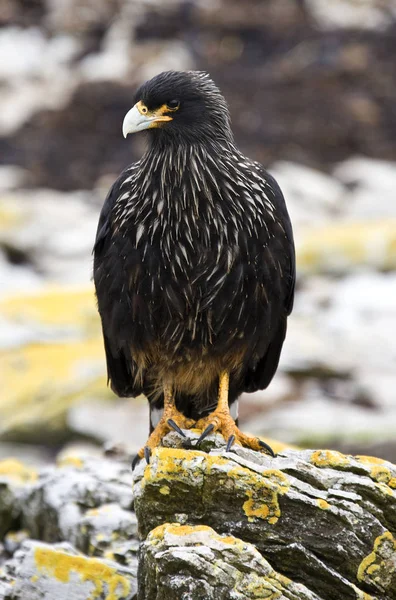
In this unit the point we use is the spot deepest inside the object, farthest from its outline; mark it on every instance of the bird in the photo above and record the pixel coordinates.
(194, 265)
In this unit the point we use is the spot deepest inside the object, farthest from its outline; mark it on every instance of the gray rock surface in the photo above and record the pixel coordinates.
(179, 561)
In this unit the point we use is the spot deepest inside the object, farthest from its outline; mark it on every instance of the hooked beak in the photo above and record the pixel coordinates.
(136, 120)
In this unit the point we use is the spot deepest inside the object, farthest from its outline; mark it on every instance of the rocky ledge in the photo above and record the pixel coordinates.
(309, 525)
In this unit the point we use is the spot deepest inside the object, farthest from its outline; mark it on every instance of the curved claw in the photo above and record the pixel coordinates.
(147, 454)
(176, 427)
(205, 433)
(230, 441)
(266, 447)
(135, 461)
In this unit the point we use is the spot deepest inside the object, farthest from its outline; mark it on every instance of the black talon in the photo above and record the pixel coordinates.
(205, 433)
(266, 447)
(135, 461)
(147, 454)
(176, 427)
(230, 441)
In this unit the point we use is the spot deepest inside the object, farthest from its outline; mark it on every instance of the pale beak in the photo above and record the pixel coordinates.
(135, 121)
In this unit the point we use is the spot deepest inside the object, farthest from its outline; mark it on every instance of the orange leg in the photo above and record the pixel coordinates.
(171, 419)
(221, 420)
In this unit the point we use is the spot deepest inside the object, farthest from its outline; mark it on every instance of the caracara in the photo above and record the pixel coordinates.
(194, 265)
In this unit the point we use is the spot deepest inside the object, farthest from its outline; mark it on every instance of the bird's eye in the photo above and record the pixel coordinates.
(173, 104)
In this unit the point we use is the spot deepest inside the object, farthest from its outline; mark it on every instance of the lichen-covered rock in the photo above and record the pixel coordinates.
(13, 477)
(319, 517)
(193, 562)
(42, 572)
(61, 501)
(109, 531)
(52, 356)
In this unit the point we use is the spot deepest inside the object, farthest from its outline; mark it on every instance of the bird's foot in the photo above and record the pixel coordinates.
(171, 419)
(222, 422)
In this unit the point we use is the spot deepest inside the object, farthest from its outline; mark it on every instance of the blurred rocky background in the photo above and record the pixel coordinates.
(312, 91)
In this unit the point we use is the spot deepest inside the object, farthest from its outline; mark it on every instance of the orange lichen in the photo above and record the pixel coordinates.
(104, 578)
(322, 504)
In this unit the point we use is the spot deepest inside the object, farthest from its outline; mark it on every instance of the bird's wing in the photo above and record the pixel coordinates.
(259, 375)
(120, 365)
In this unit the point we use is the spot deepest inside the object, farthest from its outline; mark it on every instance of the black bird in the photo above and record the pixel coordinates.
(194, 264)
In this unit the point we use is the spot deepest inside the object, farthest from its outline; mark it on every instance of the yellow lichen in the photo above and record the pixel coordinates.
(54, 306)
(105, 579)
(322, 504)
(252, 508)
(10, 216)
(379, 472)
(39, 381)
(165, 490)
(329, 458)
(379, 567)
(17, 471)
(371, 460)
(70, 461)
(262, 490)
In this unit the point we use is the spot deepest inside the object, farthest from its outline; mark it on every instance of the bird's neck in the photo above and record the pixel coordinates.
(189, 167)
(192, 184)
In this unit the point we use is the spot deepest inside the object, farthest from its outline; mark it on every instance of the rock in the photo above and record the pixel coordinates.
(35, 74)
(13, 477)
(57, 506)
(86, 501)
(371, 14)
(11, 177)
(337, 413)
(52, 358)
(43, 572)
(123, 421)
(366, 179)
(313, 198)
(52, 233)
(304, 525)
(284, 507)
(193, 562)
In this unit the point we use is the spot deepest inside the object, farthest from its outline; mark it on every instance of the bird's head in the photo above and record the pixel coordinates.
(185, 105)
